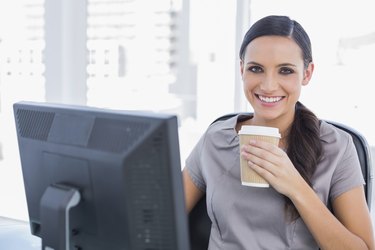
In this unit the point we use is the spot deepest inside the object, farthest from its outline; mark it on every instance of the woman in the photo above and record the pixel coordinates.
(316, 199)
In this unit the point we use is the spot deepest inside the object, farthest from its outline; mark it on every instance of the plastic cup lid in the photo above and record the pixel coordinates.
(260, 130)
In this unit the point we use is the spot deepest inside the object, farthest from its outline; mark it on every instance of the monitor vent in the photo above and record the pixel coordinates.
(34, 124)
(151, 212)
(115, 135)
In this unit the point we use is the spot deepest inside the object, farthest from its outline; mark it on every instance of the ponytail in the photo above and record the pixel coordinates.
(304, 148)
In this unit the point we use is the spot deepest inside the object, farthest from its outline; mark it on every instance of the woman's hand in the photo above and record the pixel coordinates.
(274, 165)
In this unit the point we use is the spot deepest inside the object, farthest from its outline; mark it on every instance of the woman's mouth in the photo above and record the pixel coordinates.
(269, 99)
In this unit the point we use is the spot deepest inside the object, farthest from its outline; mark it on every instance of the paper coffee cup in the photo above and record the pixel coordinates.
(260, 133)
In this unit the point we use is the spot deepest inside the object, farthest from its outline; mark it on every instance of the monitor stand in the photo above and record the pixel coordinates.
(55, 204)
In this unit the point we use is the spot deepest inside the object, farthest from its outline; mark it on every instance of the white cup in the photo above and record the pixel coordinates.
(270, 134)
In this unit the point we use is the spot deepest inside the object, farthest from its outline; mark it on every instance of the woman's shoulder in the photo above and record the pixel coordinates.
(226, 123)
(223, 129)
(229, 121)
(329, 133)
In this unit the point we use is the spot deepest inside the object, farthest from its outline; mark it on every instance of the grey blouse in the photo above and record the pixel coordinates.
(253, 218)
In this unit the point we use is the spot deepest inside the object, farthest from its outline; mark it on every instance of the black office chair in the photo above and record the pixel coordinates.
(200, 223)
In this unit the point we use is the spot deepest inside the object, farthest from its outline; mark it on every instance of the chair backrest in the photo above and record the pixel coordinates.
(200, 223)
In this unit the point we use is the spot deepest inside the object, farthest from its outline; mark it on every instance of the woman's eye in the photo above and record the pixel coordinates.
(286, 71)
(255, 69)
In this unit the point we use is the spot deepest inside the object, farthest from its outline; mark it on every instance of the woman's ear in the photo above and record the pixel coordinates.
(307, 74)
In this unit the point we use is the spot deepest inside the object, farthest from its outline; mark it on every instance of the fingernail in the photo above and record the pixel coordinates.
(252, 142)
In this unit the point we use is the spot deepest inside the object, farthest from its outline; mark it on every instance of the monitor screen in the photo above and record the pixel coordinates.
(97, 178)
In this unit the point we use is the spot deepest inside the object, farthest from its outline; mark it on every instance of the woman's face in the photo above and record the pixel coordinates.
(273, 73)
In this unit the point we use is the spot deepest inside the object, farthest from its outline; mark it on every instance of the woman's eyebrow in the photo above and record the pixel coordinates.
(279, 65)
(255, 63)
(286, 64)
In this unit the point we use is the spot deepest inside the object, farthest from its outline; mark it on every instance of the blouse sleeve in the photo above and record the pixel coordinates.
(348, 173)
(194, 166)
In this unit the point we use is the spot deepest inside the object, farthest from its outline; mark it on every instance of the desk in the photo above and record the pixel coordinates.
(15, 235)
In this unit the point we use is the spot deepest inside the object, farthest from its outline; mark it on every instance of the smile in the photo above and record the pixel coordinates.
(269, 99)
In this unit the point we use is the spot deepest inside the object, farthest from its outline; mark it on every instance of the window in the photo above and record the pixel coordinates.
(21, 77)
(178, 56)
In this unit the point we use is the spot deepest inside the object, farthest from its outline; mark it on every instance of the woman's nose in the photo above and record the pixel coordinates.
(269, 83)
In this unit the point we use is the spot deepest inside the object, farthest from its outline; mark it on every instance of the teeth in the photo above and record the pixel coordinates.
(269, 99)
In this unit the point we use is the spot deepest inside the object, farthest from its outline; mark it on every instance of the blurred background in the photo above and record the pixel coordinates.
(172, 56)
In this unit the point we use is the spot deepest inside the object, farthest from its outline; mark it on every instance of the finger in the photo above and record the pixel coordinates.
(267, 175)
(261, 153)
(264, 163)
(266, 146)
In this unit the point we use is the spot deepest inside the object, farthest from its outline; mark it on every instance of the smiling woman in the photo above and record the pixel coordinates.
(314, 179)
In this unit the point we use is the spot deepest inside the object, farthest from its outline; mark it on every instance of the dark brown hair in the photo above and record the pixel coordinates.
(279, 26)
(304, 148)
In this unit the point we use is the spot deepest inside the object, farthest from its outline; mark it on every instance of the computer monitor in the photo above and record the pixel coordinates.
(101, 179)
